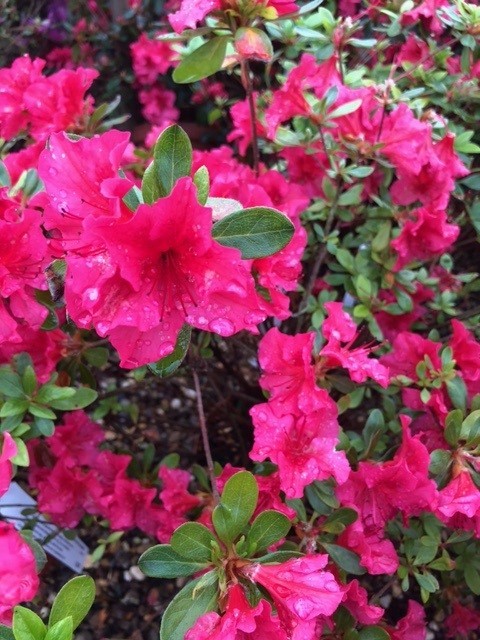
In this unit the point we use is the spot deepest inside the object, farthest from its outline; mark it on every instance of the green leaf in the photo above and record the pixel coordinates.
(453, 426)
(162, 561)
(41, 411)
(21, 458)
(439, 461)
(172, 158)
(74, 600)
(373, 633)
(198, 597)
(345, 109)
(27, 625)
(346, 559)
(151, 189)
(36, 548)
(279, 557)
(237, 504)
(62, 630)
(203, 62)
(267, 528)
(10, 384)
(193, 541)
(82, 398)
(6, 633)
(50, 392)
(96, 356)
(29, 380)
(201, 179)
(428, 582)
(257, 232)
(472, 578)
(457, 392)
(133, 198)
(168, 365)
(13, 408)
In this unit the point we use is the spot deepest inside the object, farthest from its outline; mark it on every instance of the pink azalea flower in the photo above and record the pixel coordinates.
(148, 282)
(377, 553)
(8, 450)
(240, 620)
(58, 103)
(64, 492)
(76, 440)
(192, 12)
(127, 505)
(401, 484)
(414, 51)
(174, 495)
(412, 626)
(22, 262)
(460, 496)
(287, 371)
(45, 348)
(461, 621)
(18, 573)
(425, 12)
(299, 588)
(151, 58)
(15, 82)
(301, 444)
(425, 235)
(466, 352)
(78, 190)
(158, 105)
(408, 350)
(290, 101)
(356, 601)
(338, 328)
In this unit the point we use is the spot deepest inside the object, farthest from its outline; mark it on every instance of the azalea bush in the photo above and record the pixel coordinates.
(320, 260)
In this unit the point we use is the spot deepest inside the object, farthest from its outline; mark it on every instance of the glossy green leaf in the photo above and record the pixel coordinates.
(203, 62)
(193, 541)
(278, 557)
(257, 232)
(27, 625)
(73, 600)
(168, 365)
(198, 597)
(267, 528)
(201, 179)
(373, 633)
(344, 558)
(6, 633)
(237, 504)
(162, 561)
(62, 630)
(10, 384)
(81, 398)
(172, 158)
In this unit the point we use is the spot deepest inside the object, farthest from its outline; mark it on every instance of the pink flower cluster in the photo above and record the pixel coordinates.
(191, 12)
(134, 280)
(458, 503)
(297, 428)
(38, 105)
(74, 476)
(18, 574)
(24, 255)
(301, 591)
(425, 169)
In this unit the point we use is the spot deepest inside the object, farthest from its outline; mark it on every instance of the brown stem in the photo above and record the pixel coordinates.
(204, 432)
(247, 85)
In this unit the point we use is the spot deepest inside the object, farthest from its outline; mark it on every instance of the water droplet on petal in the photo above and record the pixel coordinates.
(52, 171)
(92, 294)
(303, 608)
(222, 326)
(62, 193)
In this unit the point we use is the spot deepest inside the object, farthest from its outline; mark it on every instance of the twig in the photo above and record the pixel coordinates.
(247, 85)
(204, 432)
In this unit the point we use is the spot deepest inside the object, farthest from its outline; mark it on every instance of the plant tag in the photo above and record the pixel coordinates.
(72, 553)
